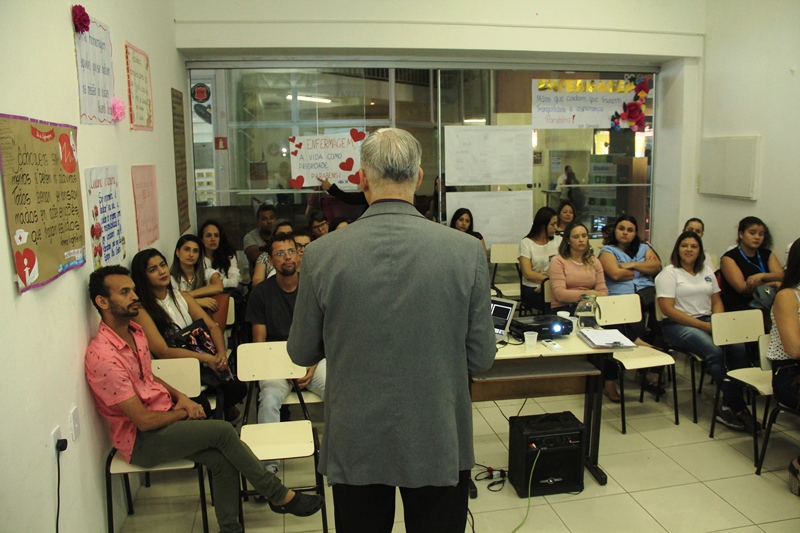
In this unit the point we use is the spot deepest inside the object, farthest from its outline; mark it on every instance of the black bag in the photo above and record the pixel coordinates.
(647, 295)
(763, 297)
(194, 337)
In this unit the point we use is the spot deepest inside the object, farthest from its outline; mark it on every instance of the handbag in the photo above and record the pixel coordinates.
(194, 337)
(647, 296)
(763, 297)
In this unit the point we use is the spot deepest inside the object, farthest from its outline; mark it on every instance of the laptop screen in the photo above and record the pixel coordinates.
(502, 312)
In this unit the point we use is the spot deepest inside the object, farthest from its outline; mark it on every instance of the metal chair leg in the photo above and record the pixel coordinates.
(772, 417)
(128, 498)
(694, 392)
(109, 496)
(203, 510)
(714, 412)
(675, 394)
(622, 396)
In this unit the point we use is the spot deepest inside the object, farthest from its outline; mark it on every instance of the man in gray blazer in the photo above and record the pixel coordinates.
(400, 308)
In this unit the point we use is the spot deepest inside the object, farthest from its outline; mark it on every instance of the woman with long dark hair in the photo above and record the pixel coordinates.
(784, 345)
(219, 255)
(535, 251)
(191, 277)
(463, 221)
(164, 312)
(688, 294)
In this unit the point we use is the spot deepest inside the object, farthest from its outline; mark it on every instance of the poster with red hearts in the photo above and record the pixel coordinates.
(43, 200)
(333, 157)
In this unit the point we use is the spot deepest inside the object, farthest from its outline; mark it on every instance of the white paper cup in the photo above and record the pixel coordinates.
(563, 314)
(530, 339)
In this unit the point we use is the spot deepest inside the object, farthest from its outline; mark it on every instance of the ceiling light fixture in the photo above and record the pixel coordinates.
(310, 99)
(474, 121)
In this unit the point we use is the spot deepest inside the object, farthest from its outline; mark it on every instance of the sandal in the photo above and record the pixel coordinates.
(612, 395)
(794, 482)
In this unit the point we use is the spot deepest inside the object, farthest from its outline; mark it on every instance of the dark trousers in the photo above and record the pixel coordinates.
(370, 508)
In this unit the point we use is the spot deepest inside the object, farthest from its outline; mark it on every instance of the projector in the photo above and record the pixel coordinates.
(547, 326)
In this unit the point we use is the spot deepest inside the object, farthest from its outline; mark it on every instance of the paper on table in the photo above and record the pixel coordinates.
(605, 338)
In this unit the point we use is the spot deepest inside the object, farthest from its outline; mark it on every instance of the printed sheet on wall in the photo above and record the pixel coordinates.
(488, 155)
(44, 205)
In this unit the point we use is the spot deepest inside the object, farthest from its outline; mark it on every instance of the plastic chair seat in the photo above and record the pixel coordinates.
(121, 466)
(308, 397)
(643, 357)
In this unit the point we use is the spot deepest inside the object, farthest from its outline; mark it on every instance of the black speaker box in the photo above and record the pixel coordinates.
(558, 439)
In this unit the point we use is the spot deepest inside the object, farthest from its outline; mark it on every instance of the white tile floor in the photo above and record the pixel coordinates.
(661, 477)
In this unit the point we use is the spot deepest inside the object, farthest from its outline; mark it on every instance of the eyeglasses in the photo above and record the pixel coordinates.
(290, 252)
(300, 247)
(315, 227)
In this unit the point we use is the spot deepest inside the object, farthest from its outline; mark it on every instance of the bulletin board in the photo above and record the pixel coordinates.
(488, 155)
(501, 217)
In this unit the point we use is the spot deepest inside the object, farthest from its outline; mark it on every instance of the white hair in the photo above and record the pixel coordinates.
(391, 155)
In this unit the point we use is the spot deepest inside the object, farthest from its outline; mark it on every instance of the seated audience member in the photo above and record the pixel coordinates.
(696, 225)
(153, 423)
(462, 221)
(575, 272)
(165, 311)
(255, 239)
(318, 224)
(263, 268)
(629, 266)
(270, 311)
(434, 213)
(302, 238)
(535, 251)
(191, 277)
(607, 232)
(219, 254)
(339, 222)
(749, 265)
(688, 295)
(784, 346)
(566, 215)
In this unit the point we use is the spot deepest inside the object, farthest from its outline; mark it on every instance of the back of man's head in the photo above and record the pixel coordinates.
(391, 155)
(97, 282)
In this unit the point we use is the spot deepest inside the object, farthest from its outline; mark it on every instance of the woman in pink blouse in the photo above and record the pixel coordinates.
(575, 272)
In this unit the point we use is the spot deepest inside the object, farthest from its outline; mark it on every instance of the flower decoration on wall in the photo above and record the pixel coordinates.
(80, 19)
(118, 109)
(633, 113)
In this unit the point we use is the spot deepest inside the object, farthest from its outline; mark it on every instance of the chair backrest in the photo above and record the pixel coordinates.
(266, 360)
(736, 326)
(181, 374)
(618, 309)
(547, 290)
(502, 254)
(763, 344)
(231, 318)
(597, 245)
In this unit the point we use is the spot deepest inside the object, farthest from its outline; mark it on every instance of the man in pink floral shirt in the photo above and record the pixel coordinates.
(152, 423)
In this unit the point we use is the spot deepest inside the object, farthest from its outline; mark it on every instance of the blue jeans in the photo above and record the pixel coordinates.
(699, 343)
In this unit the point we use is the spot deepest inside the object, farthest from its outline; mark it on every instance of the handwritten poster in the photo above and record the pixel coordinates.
(42, 191)
(179, 145)
(105, 225)
(335, 158)
(140, 88)
(568, 104)
(488, 155)
(94, 54)
(145, 197)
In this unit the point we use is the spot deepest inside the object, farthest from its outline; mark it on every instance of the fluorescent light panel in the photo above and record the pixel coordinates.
(310, 99)
(474, 121)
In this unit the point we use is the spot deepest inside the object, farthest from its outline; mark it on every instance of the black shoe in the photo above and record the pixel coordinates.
(300, 505)
(750, 424)
(727, 418)
(654, 388)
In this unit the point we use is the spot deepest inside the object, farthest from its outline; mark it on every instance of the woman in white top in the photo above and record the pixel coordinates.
(191, 277)
(535, 251)
(219, 255)
(164, 311)
(688, 294)
(784, 345)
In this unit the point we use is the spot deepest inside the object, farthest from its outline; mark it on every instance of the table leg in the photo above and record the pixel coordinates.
(593, 407)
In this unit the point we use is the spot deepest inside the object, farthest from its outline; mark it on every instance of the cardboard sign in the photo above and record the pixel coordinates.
(108, 241)
(335, 158)
(568, 104)
(95, 73)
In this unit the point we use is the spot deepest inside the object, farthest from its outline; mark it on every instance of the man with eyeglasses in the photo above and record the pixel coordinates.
(318, 224)
(270, 311)
(302, 238)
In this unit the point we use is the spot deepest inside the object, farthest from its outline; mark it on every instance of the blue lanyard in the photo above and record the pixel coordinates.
(759, 266)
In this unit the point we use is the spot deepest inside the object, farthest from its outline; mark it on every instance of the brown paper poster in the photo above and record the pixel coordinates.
(44, 204)
(179, 143)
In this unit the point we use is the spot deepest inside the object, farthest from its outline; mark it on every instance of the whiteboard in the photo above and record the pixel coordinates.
(729, 166)
(488, 155)
(501, 217)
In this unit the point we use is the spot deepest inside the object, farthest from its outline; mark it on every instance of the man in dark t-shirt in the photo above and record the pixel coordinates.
(270, 311)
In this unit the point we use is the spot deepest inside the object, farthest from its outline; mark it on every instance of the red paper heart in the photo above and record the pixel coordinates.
(294, 152)
(298, 145)
(68, 160)
(347, 166)
(354, 178)
(292, 138)
(24, 260)
(296, 183)
(357, 135)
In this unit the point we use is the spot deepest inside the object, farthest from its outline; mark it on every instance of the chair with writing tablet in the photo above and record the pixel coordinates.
(279, 440)
(182, 375)
(506, 254)
(626, 309)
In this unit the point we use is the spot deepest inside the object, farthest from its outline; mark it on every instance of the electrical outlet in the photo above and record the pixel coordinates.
(74, 422)
(55, 436)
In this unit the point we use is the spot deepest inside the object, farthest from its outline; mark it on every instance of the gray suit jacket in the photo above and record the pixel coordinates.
(400, 307)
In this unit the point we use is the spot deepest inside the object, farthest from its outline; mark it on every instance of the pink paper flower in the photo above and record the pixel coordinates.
(80, 19)
(118, 109)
